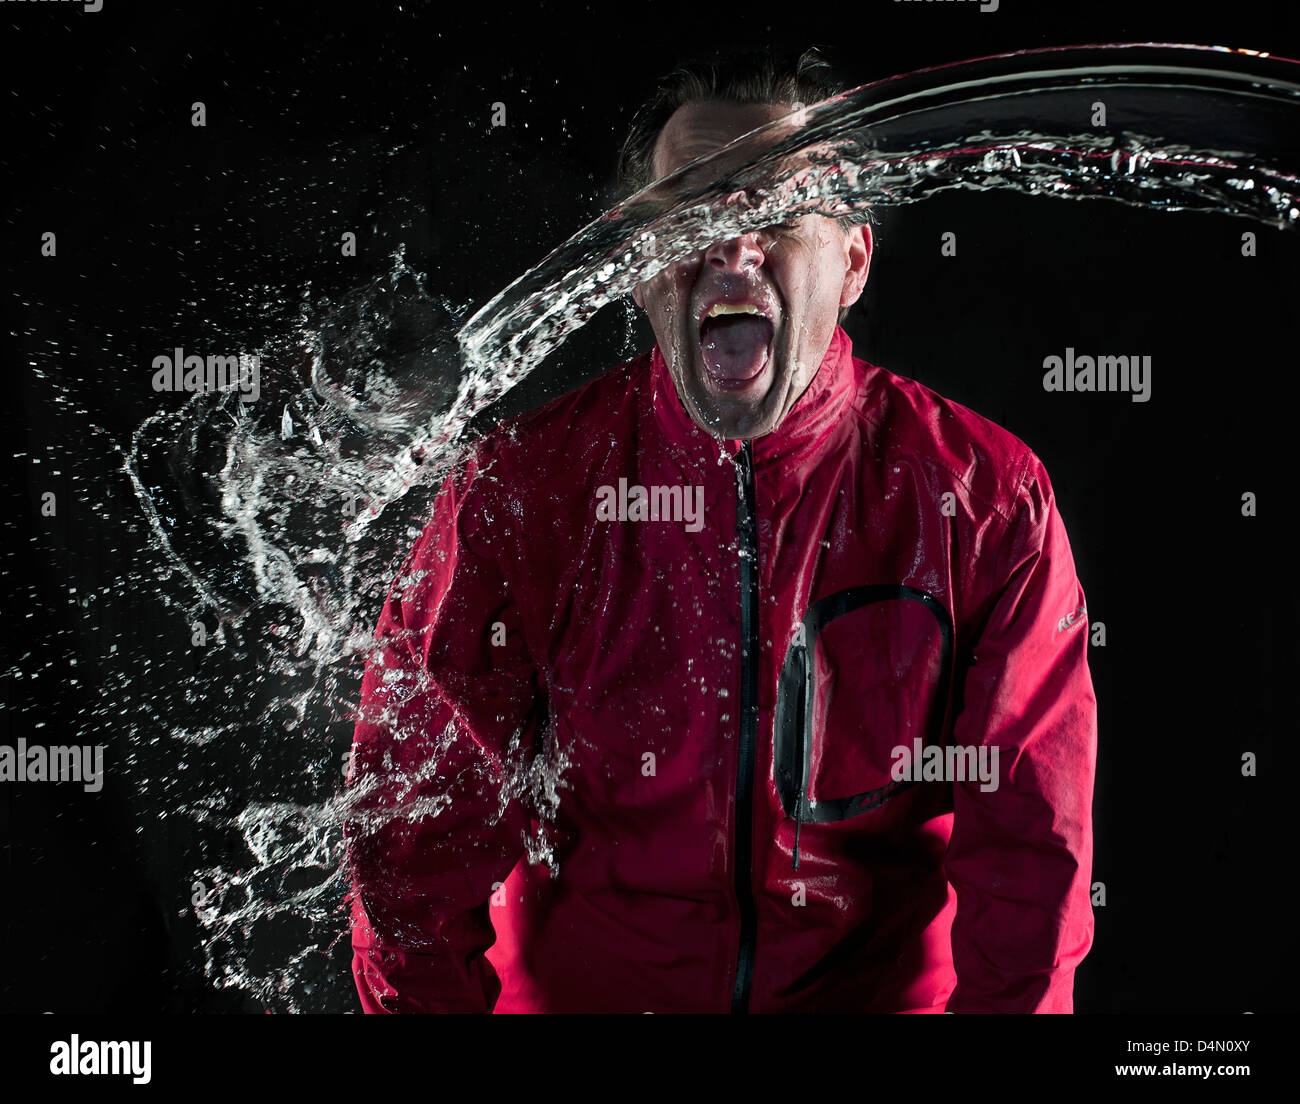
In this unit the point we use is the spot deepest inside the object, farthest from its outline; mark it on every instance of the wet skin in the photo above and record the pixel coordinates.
(799, 274)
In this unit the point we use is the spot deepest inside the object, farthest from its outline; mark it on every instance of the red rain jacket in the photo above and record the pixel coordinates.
(715, 700)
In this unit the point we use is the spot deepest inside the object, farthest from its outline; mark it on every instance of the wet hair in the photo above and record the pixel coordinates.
(748, 77)
(742, 77)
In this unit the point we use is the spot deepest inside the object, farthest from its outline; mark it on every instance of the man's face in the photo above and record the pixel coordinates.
(744, 324)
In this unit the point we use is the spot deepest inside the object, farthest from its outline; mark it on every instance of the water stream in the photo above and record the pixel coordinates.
(277, 525)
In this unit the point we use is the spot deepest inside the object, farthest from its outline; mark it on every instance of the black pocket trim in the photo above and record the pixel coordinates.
(792, 749)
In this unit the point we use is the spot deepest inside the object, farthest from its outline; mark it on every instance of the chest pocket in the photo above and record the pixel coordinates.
(869, 672)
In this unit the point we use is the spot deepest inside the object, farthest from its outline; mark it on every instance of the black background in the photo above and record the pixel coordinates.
(376, 121)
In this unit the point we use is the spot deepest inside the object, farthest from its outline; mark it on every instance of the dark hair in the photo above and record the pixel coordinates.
(744, 77)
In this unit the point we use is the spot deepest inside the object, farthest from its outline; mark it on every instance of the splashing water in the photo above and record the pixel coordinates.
(283, 527)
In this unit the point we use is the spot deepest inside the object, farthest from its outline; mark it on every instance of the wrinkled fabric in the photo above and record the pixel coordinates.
(916, 586)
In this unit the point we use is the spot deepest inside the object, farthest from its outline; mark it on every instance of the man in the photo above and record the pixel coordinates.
(746, 677)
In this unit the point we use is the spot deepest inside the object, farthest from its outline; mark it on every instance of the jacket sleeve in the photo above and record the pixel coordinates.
(1020, 856)
(436, 814)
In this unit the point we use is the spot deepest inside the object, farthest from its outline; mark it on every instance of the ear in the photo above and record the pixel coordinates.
(637, 297)
(857, 248)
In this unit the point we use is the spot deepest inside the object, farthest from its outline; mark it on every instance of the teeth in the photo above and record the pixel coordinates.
(733, 308)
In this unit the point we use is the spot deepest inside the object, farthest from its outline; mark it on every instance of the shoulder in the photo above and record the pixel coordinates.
(554, 438)
(906, 419)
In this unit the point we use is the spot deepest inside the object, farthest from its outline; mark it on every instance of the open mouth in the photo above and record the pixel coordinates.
(735, 343)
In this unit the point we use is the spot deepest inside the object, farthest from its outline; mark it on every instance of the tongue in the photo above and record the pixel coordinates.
(734, 347)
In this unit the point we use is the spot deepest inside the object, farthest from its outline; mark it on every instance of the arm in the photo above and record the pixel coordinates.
(1020, 856)
(446, 720)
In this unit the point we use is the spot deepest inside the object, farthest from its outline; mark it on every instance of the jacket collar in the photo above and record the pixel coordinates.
(802, 437)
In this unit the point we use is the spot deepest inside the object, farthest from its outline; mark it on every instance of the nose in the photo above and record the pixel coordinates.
(735, 254)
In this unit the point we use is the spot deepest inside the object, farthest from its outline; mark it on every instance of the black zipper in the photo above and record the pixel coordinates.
(747, 536)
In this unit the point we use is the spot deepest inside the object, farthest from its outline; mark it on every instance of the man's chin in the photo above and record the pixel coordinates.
(733, 417)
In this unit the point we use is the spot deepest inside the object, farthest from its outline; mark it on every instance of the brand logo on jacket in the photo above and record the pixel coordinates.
(1074, 617)
(655, 503)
